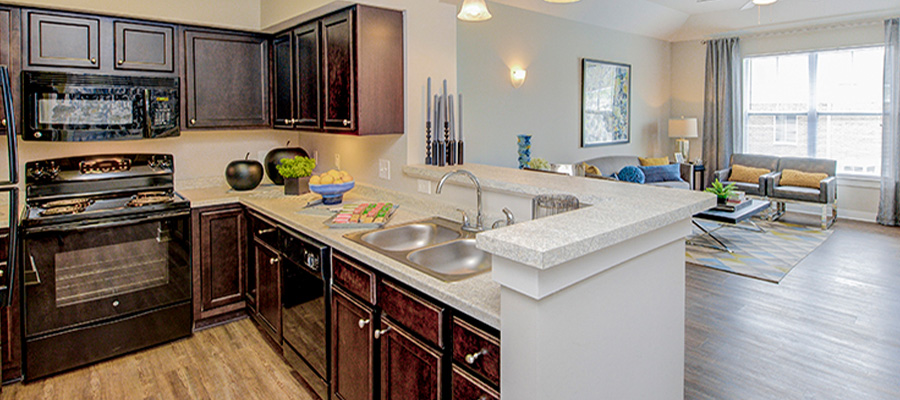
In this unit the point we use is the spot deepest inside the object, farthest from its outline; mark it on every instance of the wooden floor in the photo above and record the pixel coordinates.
(829, 330)
(231, 361)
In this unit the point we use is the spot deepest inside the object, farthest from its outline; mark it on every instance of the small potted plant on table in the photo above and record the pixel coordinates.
(296, 172)
(721, 191)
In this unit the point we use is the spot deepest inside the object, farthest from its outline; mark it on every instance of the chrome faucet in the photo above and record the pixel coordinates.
(479, 219)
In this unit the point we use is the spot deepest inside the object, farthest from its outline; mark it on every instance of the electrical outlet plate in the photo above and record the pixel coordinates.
(337, 161)
(384, 169)
(424, 186)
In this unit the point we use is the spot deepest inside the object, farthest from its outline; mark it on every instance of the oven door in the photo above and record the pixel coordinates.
(87, 274)
(84, 113)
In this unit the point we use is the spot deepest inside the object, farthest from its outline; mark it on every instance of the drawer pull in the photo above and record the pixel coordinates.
(121, 62)
(265, 231)
(483, 397)
(115, 303)
(363, 323)
(472, 358)
(274, 260)
(380, 333)
(93, 60)
(346, 122)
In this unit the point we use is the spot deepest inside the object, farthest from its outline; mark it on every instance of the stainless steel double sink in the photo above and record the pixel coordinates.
(436, 246)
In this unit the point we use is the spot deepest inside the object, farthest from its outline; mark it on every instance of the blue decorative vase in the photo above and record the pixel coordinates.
(524, 143)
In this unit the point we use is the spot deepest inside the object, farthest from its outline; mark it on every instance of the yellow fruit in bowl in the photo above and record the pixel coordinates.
(315, 180)
(327, 180)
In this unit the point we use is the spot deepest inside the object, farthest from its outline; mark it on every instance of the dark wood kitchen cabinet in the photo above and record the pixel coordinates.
(226, 80)
(11, 57)
(282, 82)
(410, 369)
(144, 47)
(219, 253)
(353, 357)
(268, 295)
(348, 73)
(62, 40)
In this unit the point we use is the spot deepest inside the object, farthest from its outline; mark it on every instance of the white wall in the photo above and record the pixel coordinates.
(857, 198)
(548, 105)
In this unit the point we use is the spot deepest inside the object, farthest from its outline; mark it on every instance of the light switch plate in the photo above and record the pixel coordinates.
(424, 186)
(384, 169)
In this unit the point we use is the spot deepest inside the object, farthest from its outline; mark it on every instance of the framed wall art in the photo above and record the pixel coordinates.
(605, 103)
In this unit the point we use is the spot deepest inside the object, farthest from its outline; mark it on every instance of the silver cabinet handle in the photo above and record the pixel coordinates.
(483, 397)
(120, 62)
(265, 231)
(346, 122)
(93, 60)
(193, 121)
(380, 333)
(115, 303)
(363, 323)
(274, 260)
(472, 358)
(3, 122)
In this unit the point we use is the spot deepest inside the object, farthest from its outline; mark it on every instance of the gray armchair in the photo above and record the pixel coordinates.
(749, 160)
(825, 195)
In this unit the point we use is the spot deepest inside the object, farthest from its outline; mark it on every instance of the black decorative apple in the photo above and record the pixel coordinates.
(275, 156)
(244, 174)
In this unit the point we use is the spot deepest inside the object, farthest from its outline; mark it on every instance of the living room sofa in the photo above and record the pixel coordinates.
(749, 160)
(610, 165)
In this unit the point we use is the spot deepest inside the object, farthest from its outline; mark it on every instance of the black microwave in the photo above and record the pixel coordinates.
(82, 107)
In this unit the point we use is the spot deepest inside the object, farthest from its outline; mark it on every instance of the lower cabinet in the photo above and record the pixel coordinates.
(353, 344)
(268, 292)
(219, 254)
(410, 369)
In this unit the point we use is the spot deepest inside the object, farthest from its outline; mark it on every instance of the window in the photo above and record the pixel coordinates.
(824, 104)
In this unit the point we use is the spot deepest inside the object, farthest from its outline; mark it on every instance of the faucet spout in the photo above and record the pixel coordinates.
(479, 219)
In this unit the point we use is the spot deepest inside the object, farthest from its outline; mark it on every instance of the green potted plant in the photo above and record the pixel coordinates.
(721, 191)
(296, 172)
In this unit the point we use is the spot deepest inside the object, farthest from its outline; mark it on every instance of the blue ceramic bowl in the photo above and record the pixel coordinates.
(333, 193)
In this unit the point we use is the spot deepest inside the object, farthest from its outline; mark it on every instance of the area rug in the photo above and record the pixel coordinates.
(766, 256)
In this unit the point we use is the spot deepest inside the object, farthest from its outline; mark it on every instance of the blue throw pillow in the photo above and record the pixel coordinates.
(631, 174)
(662, 173)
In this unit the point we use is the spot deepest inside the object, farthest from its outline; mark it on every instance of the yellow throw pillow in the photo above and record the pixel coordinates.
(792, 177)
(591, 169)
(646, 162)
(740, 173)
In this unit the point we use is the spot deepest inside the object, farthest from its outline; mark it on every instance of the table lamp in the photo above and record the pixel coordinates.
(682, 129)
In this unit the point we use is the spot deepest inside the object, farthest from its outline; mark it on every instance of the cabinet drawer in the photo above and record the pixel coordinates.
(355, 279)
(468, 387)
(411, 311)
(264, 230)
(477, 350)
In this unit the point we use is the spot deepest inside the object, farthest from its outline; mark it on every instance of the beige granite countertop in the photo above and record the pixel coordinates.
(620, 211)
(478, 297)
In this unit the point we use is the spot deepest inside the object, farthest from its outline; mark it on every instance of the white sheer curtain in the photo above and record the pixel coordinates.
(889, 209)
(721, 103)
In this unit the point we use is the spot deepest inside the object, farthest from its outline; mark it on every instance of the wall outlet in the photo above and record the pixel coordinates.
(384, 169)
(424, 186)
(337, 161)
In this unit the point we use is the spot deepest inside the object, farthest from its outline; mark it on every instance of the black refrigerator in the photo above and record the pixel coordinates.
(9, 209)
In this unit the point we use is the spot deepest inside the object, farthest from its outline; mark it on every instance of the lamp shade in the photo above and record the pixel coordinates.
(763, 2)
(683, 128)
(474, 10)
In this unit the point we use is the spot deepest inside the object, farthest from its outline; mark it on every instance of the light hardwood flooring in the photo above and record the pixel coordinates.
(231, 361)
(829, 330)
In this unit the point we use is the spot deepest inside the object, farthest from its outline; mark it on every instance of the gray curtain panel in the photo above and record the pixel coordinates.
(889, 208)
(722, 114)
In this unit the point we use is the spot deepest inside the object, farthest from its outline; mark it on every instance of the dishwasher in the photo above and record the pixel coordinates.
(305, 303)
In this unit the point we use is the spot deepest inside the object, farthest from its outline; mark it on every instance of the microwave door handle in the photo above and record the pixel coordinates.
(148, 126)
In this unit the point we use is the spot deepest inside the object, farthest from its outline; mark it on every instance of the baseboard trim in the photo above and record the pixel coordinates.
(853, 215)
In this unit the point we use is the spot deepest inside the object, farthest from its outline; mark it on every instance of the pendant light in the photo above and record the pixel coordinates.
(474, 10)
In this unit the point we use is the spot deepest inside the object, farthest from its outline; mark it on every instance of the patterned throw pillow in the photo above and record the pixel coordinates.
(792, 177)
(740, 173)
(647, 162)
(631, 174)
(662, 173)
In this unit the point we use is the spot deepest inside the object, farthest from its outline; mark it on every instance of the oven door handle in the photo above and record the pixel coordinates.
(32, 278)
(109, 224)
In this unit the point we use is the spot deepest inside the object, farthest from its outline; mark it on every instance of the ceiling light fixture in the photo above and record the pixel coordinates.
(517, 77)
(763, 2)
(474, 10)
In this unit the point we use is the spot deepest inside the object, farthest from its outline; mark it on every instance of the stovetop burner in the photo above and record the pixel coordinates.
(144, 199)
(62, 210)
(80, 202)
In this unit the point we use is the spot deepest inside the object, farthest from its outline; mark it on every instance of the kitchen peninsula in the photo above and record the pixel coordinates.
(588, 302)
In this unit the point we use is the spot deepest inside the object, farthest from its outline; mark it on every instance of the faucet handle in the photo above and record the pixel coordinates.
(465, 217)
(510, 219)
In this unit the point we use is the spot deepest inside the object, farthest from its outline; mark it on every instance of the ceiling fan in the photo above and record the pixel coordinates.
(750, 4)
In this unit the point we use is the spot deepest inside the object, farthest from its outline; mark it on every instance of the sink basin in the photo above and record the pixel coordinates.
(452, 261)
(410, 237)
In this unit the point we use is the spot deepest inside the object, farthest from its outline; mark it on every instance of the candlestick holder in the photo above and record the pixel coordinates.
(451, 149)
(428, 143)
(459, 152)
(441, 154)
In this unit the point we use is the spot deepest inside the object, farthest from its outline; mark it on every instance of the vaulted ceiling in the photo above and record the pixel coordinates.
(678, 20)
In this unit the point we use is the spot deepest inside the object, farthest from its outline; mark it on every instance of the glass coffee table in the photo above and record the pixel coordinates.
(733, 219)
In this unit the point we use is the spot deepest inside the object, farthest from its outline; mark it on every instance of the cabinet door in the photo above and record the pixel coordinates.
(283, 85)
(410, 369)
(306, 44)
(144, 47)
(63, 40)
(353, 348)
(222, 259)
(226, 80)
(268, 295)
(338, 72)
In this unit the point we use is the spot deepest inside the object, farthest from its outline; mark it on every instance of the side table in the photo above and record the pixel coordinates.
(699, 168)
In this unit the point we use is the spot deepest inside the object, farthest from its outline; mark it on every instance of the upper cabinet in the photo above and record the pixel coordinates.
(56, 40)
(226, 80)
(66, 41)
(347, 73)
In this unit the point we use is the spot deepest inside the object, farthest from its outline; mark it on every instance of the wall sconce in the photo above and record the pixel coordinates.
(474, 11)
(517, 77)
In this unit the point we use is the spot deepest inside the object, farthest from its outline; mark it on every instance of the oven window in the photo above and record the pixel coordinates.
(100, 272)
(103, 110)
